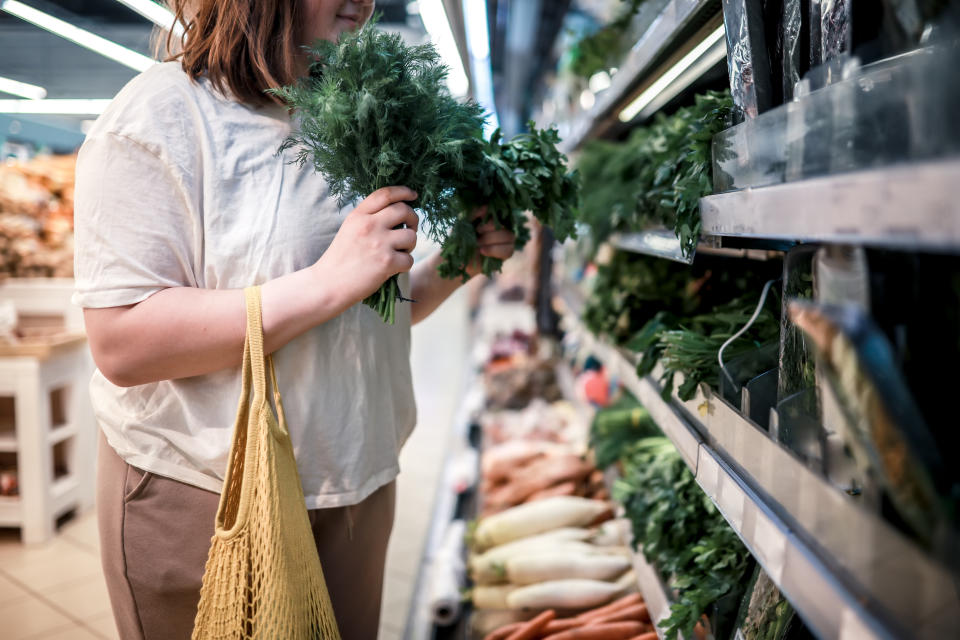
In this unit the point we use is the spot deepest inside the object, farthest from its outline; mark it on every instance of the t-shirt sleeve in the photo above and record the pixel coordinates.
(137, 228)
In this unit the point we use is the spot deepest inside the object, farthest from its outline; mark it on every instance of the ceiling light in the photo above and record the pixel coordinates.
(23, 89)
(478, 43)
(64, 107)
(705, 54)
(77, 35)
(158, 15)
(438, 26)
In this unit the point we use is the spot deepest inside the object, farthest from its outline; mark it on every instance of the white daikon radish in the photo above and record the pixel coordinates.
(537, 517)
(542, 567)
(565, 534)
(490, 567)
(564, 594)
(486, 597)
(613, 532)
(628, 583)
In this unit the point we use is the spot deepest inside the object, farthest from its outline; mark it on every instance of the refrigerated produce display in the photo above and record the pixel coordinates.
(757, 324)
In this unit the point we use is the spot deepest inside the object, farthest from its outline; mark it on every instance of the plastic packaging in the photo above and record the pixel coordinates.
(791, 27)
(747, 62)
(886, 113)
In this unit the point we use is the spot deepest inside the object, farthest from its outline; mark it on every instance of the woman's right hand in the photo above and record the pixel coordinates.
(367, 249)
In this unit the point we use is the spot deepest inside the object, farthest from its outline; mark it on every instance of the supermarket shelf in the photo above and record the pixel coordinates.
(907, 207)
(848, 573)
(653, 590)
(661, 243)
(664, 36)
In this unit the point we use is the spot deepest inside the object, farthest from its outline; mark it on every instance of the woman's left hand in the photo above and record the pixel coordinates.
(491, 243)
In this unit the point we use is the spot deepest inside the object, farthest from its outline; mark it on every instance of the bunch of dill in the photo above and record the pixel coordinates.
(375, 112)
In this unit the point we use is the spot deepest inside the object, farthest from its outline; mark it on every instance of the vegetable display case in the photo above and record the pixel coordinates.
(845, 149)
(847, 572)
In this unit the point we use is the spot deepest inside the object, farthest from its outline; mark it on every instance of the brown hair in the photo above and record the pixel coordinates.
(244, 46)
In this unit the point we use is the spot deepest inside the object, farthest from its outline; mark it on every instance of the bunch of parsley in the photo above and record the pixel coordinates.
(682, 533)
(658, 175)
(375, 112)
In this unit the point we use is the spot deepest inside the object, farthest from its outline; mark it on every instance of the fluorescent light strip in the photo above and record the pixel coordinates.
(661, 84)
(438, 26)
(478, 43)
(158, 15)
(57, 107)
(104, 47)
(23, 89)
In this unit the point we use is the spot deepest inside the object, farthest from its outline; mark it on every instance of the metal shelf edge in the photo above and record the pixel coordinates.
(911, 206)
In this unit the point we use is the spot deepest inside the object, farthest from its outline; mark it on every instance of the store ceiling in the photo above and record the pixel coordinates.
(66, 70)
(522, 33)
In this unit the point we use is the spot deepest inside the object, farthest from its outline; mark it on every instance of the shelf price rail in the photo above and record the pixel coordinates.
(848, 573)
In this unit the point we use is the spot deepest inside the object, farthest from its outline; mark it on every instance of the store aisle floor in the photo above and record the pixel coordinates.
(439, 351)
(56, 591)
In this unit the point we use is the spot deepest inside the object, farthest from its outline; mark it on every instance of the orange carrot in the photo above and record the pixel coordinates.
(616, 605)
(554, 626)
(649, 635)
(635, 612)
(562, 624)
(532, 628)
(612, 631)
(501, 633)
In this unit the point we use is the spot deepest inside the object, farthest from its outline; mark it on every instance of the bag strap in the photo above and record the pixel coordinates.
(261, 366)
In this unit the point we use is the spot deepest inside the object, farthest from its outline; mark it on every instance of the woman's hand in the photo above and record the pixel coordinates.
(367, 249)
(491, 243)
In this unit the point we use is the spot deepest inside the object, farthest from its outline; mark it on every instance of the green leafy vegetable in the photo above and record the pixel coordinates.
(682, 533)
(375, 112)
(617, 427)
(691, 349)
(658, 175)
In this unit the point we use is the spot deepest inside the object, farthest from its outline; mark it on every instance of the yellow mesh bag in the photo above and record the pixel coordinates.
(263, 577)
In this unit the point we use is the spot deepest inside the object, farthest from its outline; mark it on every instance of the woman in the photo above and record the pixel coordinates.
(181, 202)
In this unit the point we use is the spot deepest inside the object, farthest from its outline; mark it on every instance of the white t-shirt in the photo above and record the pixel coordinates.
(178, 186)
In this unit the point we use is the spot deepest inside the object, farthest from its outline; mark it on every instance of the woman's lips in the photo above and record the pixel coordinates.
(353, 20)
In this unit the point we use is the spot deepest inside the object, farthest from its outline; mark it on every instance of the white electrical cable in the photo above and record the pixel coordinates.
(753, 318)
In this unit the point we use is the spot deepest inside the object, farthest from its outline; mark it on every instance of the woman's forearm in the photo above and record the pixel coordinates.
(184, 331)
(428, 288)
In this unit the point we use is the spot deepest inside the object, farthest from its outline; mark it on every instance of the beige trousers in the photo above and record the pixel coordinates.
(155, 533)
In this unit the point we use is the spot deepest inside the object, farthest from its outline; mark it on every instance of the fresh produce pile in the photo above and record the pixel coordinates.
(563, 554)
(690, 348)
(36, 217)
(682, 533)
(681, 315)
(631, 289)
(374, 112)
(525, 471)
(514, 375)
(625, 618)
(657, 176)
(617, 427)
